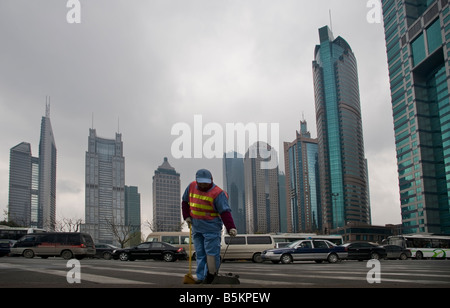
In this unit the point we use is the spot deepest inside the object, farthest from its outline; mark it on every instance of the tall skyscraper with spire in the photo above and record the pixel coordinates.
(343, 170)
(304, 208)
(32, 180)
(417, 41)
(47, 174)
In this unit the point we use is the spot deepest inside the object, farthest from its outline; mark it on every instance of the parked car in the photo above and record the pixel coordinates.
(150, 250)
(5, 247)
(364, 251)
(104, 251)
(52, 244)
(305, 250)
(397, 252)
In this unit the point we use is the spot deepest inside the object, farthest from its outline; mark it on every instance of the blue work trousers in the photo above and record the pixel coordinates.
(206, 244)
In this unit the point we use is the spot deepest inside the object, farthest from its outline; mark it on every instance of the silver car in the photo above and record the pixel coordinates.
(306, 250)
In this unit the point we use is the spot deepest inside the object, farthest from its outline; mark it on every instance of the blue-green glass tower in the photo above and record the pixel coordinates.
(342, 163)
(417, 36)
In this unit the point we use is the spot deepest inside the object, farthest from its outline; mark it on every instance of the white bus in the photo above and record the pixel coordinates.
(15, 233)
(423, 246)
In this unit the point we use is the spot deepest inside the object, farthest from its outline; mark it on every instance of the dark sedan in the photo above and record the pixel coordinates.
(364, 251)
(5, 247)
(150, 250)
(397, 252)
(104, 251)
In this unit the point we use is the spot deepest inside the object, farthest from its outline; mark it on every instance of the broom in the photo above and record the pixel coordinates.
(188, 279)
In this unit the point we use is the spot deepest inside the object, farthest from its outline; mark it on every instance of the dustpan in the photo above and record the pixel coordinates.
(188, 278)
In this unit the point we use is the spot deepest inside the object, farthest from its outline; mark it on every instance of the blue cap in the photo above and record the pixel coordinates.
(203, 176)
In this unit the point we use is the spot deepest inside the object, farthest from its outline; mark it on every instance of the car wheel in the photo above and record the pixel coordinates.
(168, 257)
(123, 256)
(28, 253)
(67, 255)
(333, 258)
(107, 256)
(403, 257)
(374, 256)
(286, 258)
(257, 258)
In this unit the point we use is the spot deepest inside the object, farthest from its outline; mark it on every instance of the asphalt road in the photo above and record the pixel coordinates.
(93, 273)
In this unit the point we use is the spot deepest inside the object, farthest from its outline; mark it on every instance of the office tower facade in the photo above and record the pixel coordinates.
(105, 188)
(234, 185)
(262, 192)
(47, 175)
(133, 214)
(304, 208)
(133, 208)
(417, 34)
(20, 183)
(166, 199)
(32, 181)
(344, 189)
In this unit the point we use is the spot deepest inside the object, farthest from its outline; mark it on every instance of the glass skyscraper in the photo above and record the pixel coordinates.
(105, 188)
(47, 175)
(32, 181)
(262, 192)
(234, 185)
(304, 209)
(417, 36)
(343, 172)
(166, 199)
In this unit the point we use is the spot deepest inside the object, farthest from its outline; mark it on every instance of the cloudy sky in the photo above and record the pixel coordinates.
(142, 66)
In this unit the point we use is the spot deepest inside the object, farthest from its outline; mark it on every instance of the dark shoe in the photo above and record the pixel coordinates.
(209, 278)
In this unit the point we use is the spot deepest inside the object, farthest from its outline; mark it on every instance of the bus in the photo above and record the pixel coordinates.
(15, 233)
(283, 239)
(423, 246)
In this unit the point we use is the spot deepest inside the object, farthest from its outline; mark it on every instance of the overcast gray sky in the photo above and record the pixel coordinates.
(155, 63)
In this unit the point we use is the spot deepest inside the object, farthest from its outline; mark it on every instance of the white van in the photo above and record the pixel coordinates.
(246, 246)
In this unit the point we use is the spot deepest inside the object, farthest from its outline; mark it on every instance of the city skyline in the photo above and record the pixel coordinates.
(159, 65)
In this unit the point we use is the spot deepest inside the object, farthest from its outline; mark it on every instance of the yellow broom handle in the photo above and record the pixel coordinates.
(190, 248)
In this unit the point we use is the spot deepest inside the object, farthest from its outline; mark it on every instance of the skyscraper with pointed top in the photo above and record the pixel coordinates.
(47, 174)
(343, 170)
(32, 180)
(166, 199)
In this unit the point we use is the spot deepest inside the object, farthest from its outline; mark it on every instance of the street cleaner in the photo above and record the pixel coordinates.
(206, 209)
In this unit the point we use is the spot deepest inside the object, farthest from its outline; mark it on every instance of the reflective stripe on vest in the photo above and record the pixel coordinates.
(201, 203)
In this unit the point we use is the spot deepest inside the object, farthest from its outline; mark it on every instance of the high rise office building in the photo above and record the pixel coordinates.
(105, 188)
(133, 208)
(20, 179)
(234, 185)
(262, 192)
(32, 181)
(417, 34)
(47, 175)
(343, 170)
(304, 209)
(166, 199)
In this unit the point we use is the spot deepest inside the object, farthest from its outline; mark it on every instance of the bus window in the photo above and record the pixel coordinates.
(174, 240)
(256, 240)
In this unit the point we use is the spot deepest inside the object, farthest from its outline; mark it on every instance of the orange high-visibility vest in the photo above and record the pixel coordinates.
(201, 203)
